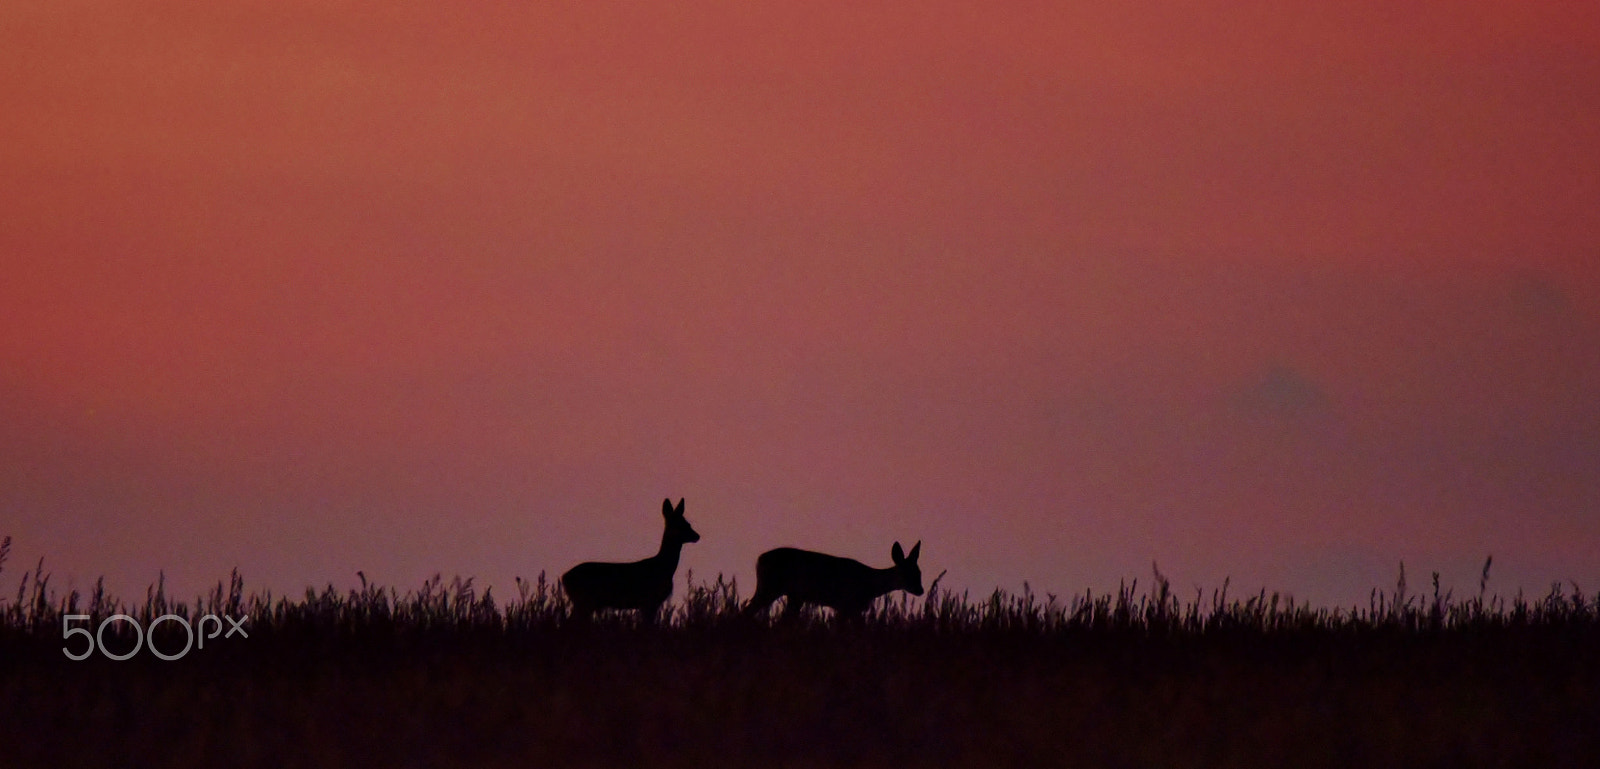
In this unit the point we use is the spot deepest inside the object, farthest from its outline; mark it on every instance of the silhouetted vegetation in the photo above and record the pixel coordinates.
(446, 675)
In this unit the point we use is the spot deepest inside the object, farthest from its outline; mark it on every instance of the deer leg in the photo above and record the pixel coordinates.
(582, 616)
(650, 616)
(759, 603)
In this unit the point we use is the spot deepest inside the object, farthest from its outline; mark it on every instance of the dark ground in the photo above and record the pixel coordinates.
(442, 676)
(873, 696)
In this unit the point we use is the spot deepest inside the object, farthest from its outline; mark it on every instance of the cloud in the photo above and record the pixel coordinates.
(1280, 391)
(1535, 296)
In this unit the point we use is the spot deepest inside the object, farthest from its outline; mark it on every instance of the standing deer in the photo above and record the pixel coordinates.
(644, 585)
(845, 585)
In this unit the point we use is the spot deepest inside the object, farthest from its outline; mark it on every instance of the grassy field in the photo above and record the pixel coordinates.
(444, 676)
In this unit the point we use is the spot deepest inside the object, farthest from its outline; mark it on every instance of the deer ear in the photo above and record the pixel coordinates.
(915, 551)
(898, 554)
(666, 507)
(679, 511)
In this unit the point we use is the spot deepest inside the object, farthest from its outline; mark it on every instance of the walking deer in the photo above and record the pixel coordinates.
(845, 585)
(644, 585)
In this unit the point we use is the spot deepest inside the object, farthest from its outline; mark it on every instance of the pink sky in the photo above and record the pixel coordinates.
(1286, 293)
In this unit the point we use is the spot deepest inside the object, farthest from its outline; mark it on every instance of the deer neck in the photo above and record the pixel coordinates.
(667, 556)
(885, 580)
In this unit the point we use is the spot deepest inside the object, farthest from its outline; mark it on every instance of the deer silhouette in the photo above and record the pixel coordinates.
(845, 585)
(644, 585)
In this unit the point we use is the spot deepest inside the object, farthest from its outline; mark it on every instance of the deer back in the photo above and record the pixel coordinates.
(801, 575)
(636, 585)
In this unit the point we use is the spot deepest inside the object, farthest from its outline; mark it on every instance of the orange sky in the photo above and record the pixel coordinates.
(1286, 293)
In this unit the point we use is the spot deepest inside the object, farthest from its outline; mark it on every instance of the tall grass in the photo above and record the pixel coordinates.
(456, 608)
(444, 674)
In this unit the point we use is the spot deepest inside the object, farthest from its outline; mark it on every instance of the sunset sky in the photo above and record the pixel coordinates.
(1281, 292)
